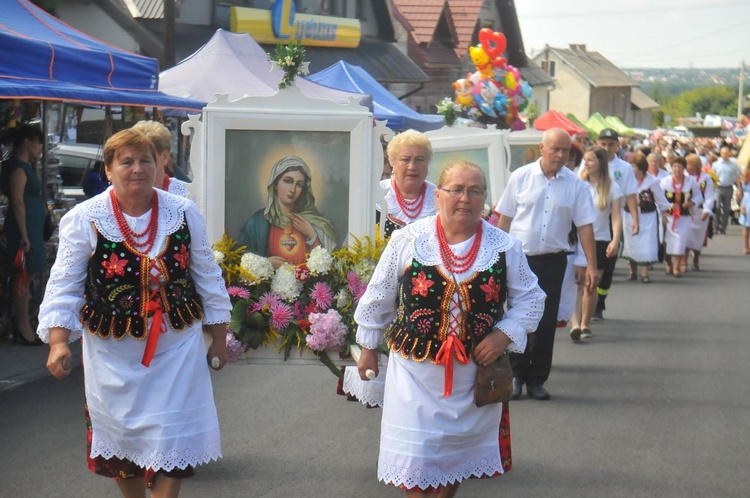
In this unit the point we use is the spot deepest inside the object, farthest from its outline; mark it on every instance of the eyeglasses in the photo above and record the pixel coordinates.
(473, 193)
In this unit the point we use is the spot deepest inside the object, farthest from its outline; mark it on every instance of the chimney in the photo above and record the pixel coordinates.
(578, 47)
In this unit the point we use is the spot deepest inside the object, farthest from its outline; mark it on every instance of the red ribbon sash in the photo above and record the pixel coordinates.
(23, 273)
(452, 345)
(155, 309)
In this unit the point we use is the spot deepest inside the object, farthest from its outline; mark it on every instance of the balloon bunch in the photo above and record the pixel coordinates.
(495, 92)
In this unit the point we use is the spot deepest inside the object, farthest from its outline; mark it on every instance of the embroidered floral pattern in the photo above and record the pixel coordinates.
(183, 257)
(117, 287)
(421, 285)
(114, 266)
(491, 290)
(423, 312)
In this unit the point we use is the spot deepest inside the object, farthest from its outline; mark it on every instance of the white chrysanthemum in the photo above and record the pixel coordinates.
(218, 256)
(342, 298)
(285, 284)
(257, 266)
(320, 261)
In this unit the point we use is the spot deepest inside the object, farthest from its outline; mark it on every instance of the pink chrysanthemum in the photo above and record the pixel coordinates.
(322, 295)
(269, 299)
(236, 291)
(356, 287)
(299, 310)
(281, 315)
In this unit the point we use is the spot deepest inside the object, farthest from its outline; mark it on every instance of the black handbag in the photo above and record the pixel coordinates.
(49, 227)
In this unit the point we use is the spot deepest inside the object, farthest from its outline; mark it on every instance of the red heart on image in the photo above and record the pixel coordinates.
(493, 43)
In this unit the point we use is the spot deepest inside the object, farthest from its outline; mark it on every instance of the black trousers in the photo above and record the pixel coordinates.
(534, 365)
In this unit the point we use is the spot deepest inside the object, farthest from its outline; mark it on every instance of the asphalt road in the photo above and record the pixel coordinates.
(656, 404)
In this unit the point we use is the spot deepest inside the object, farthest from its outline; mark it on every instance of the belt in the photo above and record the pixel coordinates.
(549, 255)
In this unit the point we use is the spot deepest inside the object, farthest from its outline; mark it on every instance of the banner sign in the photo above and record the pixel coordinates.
(282, 24)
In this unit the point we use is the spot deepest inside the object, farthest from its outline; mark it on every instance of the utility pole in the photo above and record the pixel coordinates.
(740, 97)
(169, 15)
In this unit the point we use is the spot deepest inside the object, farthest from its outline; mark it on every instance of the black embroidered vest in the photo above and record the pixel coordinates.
(646, 201)
(679, 199)
(117, 287)
(391, 225)
(424, 309)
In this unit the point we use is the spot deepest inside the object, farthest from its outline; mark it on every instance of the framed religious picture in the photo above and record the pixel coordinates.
(524, 147)
(284, 182)
(284, 174)
(486, 147)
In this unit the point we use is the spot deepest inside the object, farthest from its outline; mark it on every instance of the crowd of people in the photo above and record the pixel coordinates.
(684, 193)
(135, 279)
(571, 214)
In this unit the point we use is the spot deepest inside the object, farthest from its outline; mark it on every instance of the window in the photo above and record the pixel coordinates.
(549, 67)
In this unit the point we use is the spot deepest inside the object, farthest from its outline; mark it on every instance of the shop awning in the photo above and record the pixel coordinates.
(27, 89)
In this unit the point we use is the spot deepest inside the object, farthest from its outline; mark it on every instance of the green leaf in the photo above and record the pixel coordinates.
(238, 315)
(326, 360)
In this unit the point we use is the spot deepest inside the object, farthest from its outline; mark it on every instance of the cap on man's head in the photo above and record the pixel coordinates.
(608, 133)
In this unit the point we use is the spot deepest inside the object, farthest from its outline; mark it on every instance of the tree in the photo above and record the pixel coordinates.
(720, 100)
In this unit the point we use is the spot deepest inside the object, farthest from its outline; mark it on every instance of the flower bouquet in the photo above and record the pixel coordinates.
(290, 59)
(309, 306)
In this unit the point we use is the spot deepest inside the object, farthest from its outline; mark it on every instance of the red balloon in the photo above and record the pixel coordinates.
(500, 62)
(493, 43)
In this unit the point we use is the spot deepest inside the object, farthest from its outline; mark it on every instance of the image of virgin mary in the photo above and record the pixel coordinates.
(290, 225)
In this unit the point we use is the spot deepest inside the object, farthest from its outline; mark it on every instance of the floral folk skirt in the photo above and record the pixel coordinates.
(119, 468)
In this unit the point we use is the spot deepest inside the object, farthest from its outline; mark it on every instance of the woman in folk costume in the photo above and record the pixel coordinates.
(682, 193)
(439, 280)
(135, 278)
(409, 196)
(642, 249)
(698, 229)
(161, 137)
(290, 225)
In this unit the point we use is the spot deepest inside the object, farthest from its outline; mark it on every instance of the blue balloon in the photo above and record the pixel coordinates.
(526, 90)
(501, 104)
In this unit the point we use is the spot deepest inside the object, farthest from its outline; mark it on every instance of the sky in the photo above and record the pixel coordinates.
(643, 33)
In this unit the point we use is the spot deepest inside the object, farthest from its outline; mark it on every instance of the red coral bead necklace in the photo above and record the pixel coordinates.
(452, 261)
(412, 208)
(128, 233)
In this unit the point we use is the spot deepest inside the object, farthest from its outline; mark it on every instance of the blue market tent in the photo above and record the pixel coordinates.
(43, 58)
(386, 106)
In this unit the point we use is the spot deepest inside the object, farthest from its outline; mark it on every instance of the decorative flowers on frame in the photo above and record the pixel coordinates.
(307, 306)
(290, 59)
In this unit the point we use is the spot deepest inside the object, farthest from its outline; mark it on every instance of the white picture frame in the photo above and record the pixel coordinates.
(287, 113)
(487, 147)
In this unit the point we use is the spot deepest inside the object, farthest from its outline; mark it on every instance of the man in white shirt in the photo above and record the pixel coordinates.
(622, 173)
(539, 204)
(729, 175)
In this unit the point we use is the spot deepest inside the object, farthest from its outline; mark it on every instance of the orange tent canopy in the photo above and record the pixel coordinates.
(556, 119)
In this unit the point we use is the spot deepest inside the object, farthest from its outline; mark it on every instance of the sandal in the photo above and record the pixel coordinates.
(668, 269)
(645, 279)
(575, 334)
(683, 268)
(631, 276)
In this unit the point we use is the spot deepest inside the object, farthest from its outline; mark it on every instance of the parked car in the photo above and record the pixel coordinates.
(74, 161)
